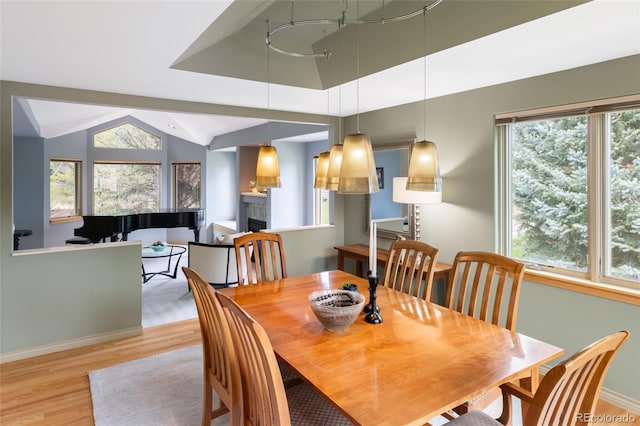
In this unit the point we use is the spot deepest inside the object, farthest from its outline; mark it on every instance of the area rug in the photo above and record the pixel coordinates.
(161, 390)
(166, 300)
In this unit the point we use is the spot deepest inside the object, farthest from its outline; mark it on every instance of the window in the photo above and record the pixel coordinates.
(121, 187)
(570, 185)
(127, 136)
(64, 189)
(186, 185)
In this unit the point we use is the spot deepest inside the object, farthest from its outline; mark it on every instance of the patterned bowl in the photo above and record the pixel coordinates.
(336, 309)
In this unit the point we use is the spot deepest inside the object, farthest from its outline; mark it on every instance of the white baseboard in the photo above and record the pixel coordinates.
(612, 397)
(70, 344)
(620, 400)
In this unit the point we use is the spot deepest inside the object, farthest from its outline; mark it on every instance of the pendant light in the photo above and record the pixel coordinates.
(424, 170)
(267, 168)
(358, 169)
(335, 152)
(322, 165)
(322, 169)
(335, 163)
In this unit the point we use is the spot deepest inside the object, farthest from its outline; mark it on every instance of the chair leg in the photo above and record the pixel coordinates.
(207, 406)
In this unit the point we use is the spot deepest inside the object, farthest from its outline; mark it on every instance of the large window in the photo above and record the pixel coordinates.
(127, 136)
(64, 189)
(570, 185)
(186, 185)
(119, 187)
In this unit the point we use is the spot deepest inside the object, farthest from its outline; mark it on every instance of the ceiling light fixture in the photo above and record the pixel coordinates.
(340, 22)
(267, 167)
(322, 168)
(424, 170)
(322, 165)
(335, 153)
(358, 169)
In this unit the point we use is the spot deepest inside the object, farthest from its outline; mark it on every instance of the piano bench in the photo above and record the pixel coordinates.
(78, 240)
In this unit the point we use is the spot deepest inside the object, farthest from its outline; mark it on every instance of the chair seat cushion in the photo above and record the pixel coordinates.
(309, 408)
(475, 418)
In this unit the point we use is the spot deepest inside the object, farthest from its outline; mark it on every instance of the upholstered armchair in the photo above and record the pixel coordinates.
(216, 262)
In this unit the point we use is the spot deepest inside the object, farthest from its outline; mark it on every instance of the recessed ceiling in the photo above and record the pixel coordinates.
(136, 48)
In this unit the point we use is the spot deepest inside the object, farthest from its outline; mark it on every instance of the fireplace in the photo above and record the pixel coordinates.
(255, 225)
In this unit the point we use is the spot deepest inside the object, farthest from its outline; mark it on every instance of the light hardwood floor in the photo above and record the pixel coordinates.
(54, 389)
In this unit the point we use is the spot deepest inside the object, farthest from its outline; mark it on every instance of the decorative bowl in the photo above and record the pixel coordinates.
(336, 309)
(158, 246)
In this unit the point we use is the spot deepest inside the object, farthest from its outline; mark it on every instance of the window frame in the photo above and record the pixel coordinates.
(78, 191)
(598, 191)
(174, 183)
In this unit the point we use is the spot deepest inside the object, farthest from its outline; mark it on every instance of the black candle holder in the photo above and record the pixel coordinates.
(372, 310)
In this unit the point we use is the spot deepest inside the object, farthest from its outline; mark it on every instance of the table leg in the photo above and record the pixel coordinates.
(175, 269)
(530, 384)
(340, 261)
(359, 268)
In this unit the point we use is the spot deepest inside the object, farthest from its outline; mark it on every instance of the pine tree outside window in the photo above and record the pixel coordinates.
(64, 190)
(186, 185)
(570, 190)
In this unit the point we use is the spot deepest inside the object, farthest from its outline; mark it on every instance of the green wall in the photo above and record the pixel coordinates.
(462, 125)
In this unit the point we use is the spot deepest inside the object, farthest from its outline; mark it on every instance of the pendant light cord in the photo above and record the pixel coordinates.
(424, 105)
(268, 89)
(358, 70)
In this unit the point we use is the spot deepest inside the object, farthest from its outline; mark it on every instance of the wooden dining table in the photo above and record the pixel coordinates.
(422, 360)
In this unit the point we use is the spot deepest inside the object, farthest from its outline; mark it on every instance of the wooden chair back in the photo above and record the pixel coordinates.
(569, 392)
(410, 268)
(217, 357)
(263, 253)
(263, 398)
(486, 286)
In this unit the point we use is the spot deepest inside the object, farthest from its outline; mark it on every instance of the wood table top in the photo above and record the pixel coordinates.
(423, 359)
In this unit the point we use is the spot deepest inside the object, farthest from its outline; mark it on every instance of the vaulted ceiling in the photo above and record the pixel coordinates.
(215, 52)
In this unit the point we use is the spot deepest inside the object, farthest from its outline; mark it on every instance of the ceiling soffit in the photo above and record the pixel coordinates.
(234, 45)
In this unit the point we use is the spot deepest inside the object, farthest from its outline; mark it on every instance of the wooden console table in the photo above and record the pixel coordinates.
(360, 253)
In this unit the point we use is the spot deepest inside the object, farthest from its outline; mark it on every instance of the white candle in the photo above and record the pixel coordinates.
(372, 248)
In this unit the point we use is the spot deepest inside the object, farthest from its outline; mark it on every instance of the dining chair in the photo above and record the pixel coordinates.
(410, 268)
(567, 394)
(263, 253)
(486, 286)
(217, 358)
(264, 400)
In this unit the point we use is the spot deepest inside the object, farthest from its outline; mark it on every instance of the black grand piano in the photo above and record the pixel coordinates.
(101, 228)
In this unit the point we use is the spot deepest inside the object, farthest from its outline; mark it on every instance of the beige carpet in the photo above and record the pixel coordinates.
(165, 299)
(162, 390)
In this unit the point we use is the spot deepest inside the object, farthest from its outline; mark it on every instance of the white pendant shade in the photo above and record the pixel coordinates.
(424, 171)
(322, 168)
(335, 162)
(402, 195)
(358, 169)
(267, 169)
